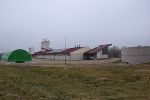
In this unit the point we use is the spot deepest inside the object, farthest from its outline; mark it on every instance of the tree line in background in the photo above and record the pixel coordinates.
(114, 52)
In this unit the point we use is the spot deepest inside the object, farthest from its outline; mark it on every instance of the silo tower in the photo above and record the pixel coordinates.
(45, 45)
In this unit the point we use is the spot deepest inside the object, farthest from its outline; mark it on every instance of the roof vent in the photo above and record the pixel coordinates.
(77, 46)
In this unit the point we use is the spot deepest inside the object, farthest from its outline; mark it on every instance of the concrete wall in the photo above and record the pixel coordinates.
(50, 57)
(62, 57)
(40, 56)
(78, 54)
(136, 55)
(101, 56)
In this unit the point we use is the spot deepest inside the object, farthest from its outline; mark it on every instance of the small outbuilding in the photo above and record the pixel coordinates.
(99, 52)
(17, 56)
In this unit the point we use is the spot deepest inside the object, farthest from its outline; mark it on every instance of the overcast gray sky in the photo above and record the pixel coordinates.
(24, 23)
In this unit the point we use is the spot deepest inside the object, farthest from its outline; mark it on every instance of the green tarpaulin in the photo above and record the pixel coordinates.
(18, 55)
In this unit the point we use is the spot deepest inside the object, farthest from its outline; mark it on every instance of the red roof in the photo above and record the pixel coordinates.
(68, 51)
(42, 52)
(97, 49)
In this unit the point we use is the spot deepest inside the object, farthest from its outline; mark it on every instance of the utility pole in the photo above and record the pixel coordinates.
(66, 55)
(65, 51)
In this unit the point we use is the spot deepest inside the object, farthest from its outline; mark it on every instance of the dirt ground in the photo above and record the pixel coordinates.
(83, 63)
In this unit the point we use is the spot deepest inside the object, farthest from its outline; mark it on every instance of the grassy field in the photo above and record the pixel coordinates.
(95, 82)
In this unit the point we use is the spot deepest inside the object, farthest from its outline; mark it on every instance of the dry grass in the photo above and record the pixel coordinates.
(81, 81)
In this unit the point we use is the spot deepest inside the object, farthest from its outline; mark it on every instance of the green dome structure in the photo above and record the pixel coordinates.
(17, 56)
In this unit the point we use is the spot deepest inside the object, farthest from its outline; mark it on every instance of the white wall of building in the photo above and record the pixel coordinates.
(40, 56)
(50, 57)
(101, 56)
(135, 55)
(78, 54)
(62, 57)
